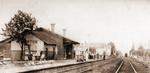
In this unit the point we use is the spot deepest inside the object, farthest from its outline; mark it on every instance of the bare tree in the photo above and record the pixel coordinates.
(113, 48)
(17, 26)
(140, 51)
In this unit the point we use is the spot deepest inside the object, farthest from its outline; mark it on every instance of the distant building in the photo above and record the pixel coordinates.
(93, 50)
(5, 51)
(102, 48)
(40, 41)
(113, 48)
(140, 52)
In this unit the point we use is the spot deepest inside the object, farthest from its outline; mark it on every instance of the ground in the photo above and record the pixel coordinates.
(109, 65)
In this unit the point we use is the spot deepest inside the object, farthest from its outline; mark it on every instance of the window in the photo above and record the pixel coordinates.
(31, 41)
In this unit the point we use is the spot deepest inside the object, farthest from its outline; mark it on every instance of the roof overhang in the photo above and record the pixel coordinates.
(69, 41)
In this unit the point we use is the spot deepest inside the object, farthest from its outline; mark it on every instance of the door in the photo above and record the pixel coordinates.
(50, 53)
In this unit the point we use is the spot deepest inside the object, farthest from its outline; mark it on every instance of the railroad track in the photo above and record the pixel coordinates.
(88, 68)
(126, 67)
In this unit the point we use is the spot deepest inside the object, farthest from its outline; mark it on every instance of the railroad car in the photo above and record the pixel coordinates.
(126, 55)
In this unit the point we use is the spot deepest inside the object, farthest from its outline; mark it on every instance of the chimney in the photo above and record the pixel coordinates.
(53, 27)
(64, 32)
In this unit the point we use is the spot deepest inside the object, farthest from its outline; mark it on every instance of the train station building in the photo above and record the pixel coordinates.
(41, 44)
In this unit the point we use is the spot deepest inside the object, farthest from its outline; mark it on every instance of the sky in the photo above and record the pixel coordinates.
(124, 22)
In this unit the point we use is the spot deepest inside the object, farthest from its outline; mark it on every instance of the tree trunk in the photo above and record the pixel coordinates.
(22, 52)
(30, 55)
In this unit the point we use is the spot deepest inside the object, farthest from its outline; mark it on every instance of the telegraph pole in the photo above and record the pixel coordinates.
(148, 44)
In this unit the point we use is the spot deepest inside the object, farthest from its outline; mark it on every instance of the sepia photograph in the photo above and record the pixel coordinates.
(74, 36)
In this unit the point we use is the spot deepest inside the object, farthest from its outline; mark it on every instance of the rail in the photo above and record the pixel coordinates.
(133, 67)
(121, 64)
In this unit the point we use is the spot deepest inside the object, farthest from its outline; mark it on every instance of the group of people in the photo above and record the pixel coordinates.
(35, 56)
(86, 55)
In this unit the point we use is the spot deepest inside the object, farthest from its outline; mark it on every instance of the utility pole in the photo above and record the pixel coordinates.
(148, 44)
(89, 37)
(64, 31)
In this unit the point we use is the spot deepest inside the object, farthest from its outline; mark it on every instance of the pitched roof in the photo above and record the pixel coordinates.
(5, 44)
(51, 37)
(6, 40)
(94, 45)
(45, 37)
